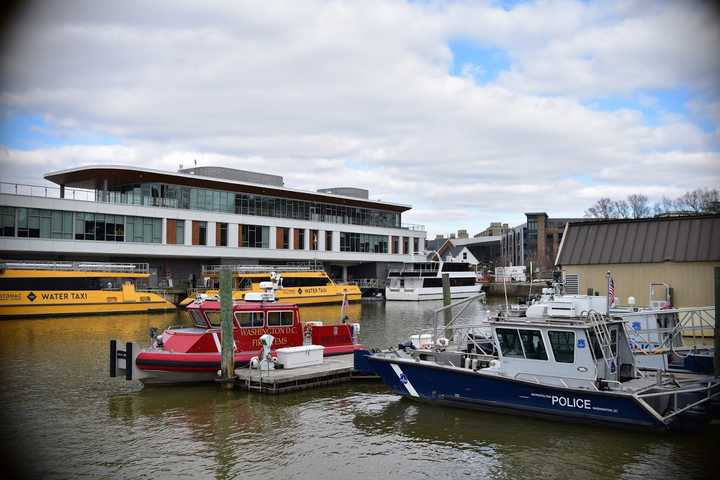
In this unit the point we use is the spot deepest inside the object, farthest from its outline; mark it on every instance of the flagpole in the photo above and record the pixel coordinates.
(608, 292)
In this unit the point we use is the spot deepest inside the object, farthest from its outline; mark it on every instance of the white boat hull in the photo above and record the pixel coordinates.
(424, 293)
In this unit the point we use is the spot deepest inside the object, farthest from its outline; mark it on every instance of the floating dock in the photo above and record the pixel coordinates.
(333, 370)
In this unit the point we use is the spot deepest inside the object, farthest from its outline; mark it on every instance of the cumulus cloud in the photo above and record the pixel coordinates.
(345, 93)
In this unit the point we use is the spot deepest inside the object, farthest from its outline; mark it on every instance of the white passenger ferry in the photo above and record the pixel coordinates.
(423, 281)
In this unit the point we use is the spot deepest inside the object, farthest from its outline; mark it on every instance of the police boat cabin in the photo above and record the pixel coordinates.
(193, 354)
(565, 360)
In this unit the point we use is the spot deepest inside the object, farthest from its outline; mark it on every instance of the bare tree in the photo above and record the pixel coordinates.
(601, 209)
(619, 209)
(639, 207)
(691, 201)
(663, 206)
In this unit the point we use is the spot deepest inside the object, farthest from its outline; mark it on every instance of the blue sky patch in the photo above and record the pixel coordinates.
(26, 131)
(652, 103)
(483, 63)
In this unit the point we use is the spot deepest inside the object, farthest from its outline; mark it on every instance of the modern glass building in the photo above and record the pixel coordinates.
(181, 220)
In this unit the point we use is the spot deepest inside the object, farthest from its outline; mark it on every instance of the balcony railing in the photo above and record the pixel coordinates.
(413, 226)
(47, 192)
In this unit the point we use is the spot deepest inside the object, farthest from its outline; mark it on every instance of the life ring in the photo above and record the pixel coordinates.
(442, 342)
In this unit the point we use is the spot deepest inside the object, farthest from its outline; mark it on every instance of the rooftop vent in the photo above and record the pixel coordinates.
(233, 174)
(347, 192)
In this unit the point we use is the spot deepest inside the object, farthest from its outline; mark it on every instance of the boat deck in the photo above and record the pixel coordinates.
(333, 370)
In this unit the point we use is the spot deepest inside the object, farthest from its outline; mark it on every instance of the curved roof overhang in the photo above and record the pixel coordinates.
(95, 176)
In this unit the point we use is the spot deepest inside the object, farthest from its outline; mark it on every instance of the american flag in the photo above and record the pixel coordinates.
(611, 291)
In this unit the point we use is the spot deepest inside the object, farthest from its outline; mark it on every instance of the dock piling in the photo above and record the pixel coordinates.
(446, 301)
(227, 358)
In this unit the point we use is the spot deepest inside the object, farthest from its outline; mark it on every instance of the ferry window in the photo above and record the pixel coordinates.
(563, 346)
(213, 317)
(509, 340)
(280, 319)
(249, 319)
(197, 319)
(533, 344)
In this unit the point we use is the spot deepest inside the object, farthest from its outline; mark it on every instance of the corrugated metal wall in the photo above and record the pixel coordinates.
(692, 282)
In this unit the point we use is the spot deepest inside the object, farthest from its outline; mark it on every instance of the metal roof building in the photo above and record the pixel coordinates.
(679, 251)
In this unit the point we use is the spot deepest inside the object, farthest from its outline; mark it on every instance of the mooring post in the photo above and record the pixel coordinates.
(717, 317)
(447, 301)
(227, 357)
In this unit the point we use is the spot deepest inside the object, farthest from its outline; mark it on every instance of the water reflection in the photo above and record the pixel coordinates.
(65, 418)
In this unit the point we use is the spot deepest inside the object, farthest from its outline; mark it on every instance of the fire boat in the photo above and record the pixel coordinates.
(193, 354)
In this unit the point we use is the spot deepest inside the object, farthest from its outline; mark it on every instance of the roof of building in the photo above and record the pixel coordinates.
(92, 177)
(456, 244)
(650, 240)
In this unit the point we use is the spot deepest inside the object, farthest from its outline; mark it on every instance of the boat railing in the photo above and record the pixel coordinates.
(53, 265)
(680, 395)
(210, 270)
(450, 317)
(695, 322)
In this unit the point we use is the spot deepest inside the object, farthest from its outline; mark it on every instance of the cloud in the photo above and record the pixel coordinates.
(339, 93)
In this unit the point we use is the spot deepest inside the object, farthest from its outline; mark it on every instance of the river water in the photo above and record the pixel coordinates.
(62, 417)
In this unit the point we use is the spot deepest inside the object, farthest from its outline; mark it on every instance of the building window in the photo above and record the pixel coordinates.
(313, 239)
(178, 196)
(254, 236)
(405, 244)
(328, 240)
(7, 221)
(282, 238)
(362, 242)
(142, 229)
(394, 249)
(416, 245)
(199, 233)
(221, 231)
(299, 240)
(180, 232)
(464, 256)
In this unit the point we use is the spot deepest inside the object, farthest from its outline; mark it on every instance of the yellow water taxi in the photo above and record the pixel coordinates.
(302, 285)
(41, 288)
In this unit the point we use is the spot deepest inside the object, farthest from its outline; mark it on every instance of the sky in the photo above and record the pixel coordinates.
(471, 112)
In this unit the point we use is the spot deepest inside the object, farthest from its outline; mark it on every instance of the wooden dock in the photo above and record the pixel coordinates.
(335, 369)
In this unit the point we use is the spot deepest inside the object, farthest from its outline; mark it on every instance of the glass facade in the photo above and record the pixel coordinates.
(42, 223)
(178, 196)
(363, 242)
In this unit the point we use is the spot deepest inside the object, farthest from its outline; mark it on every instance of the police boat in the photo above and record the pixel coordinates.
(573, 363)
